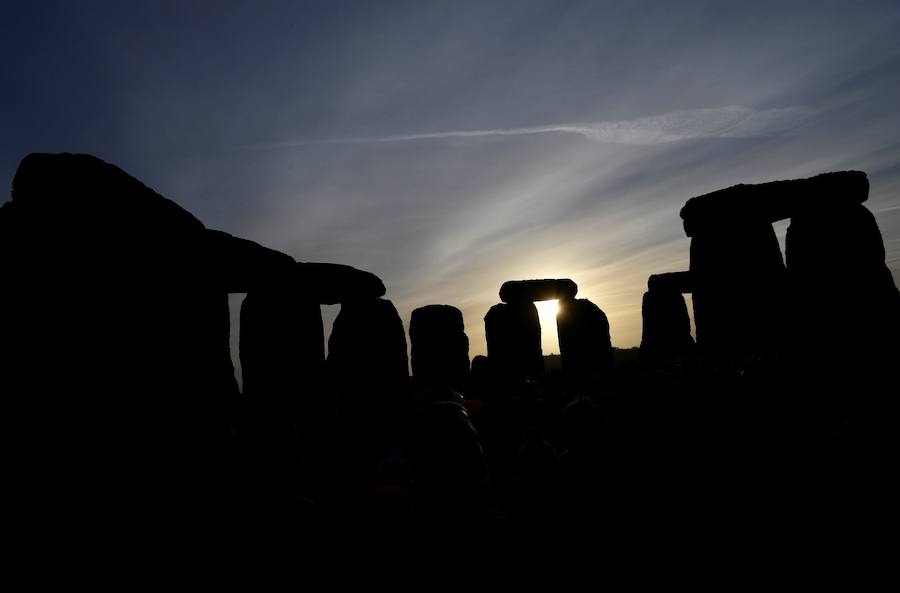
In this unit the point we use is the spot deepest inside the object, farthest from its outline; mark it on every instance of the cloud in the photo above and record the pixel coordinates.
(717, 122)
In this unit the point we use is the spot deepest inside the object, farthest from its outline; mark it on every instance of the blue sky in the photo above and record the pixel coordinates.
(449, 146)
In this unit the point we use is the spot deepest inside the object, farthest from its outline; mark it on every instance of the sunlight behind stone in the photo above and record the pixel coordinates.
(547, 315)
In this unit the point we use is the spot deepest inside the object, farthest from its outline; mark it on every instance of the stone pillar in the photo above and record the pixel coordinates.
(116, 340)
(739, 278)
(282, 347)
(367, 367)
(742, 293)
(739, 290)
(667, 326)
(836, 263)
(439, 345)
(513, 333)
(584, 341)
(282, 337)
(367, 359)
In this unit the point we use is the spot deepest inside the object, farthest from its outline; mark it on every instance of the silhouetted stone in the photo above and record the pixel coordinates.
(667, 327)
(238, 265)
(836, 262)
(282, 347)
(367, 353)
(68, 188)
(737, 269)
(584, 341)
(738, 290)
(741, 295)
(116, 340)
(439, 345)
(680, 282)
(513, 333)
(330, 284)
(528, 291)
(777, 200)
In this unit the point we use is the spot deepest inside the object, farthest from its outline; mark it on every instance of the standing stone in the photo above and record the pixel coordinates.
(282, 347)
(584, 341)
(116, 343)
(836, 262)
(367, 357)
(738, 273)
(439, 345)
(667, 327)
(367, 367)
(739, 290)
(513, 332)
(282, 336)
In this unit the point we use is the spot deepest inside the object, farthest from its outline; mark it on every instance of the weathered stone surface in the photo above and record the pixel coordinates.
(527, 291)
(584, 341)
(439, 345)
(667, 327)
(773, 201)
(330, 284)
(680, 282)
(513, 333)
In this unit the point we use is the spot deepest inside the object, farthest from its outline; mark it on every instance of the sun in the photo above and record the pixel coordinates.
(547, 310)
(547, 316)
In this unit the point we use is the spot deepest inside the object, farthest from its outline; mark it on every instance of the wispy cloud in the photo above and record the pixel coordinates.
(718, 122)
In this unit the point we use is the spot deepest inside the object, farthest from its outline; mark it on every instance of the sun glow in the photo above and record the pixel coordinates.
(547, 316)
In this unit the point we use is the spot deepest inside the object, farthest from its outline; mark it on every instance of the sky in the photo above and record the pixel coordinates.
(451, 146)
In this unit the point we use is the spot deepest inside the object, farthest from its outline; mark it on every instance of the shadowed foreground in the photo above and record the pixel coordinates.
(124, 433)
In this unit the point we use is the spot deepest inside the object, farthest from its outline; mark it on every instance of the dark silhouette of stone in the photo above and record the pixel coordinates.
(282, 347)
(737, 270)
(584, 341)
(439, 345)
(667, 327)
(282, 336)
(70, 188)
(367, 358)
(738, 290)
(836, 262)
(742, 291)
(237, 265)
(528, 291)
(116, 344)
(513, 333)
(680, 282)
(283, 411)
(773, 201)
(367, 371)
(330, 284)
